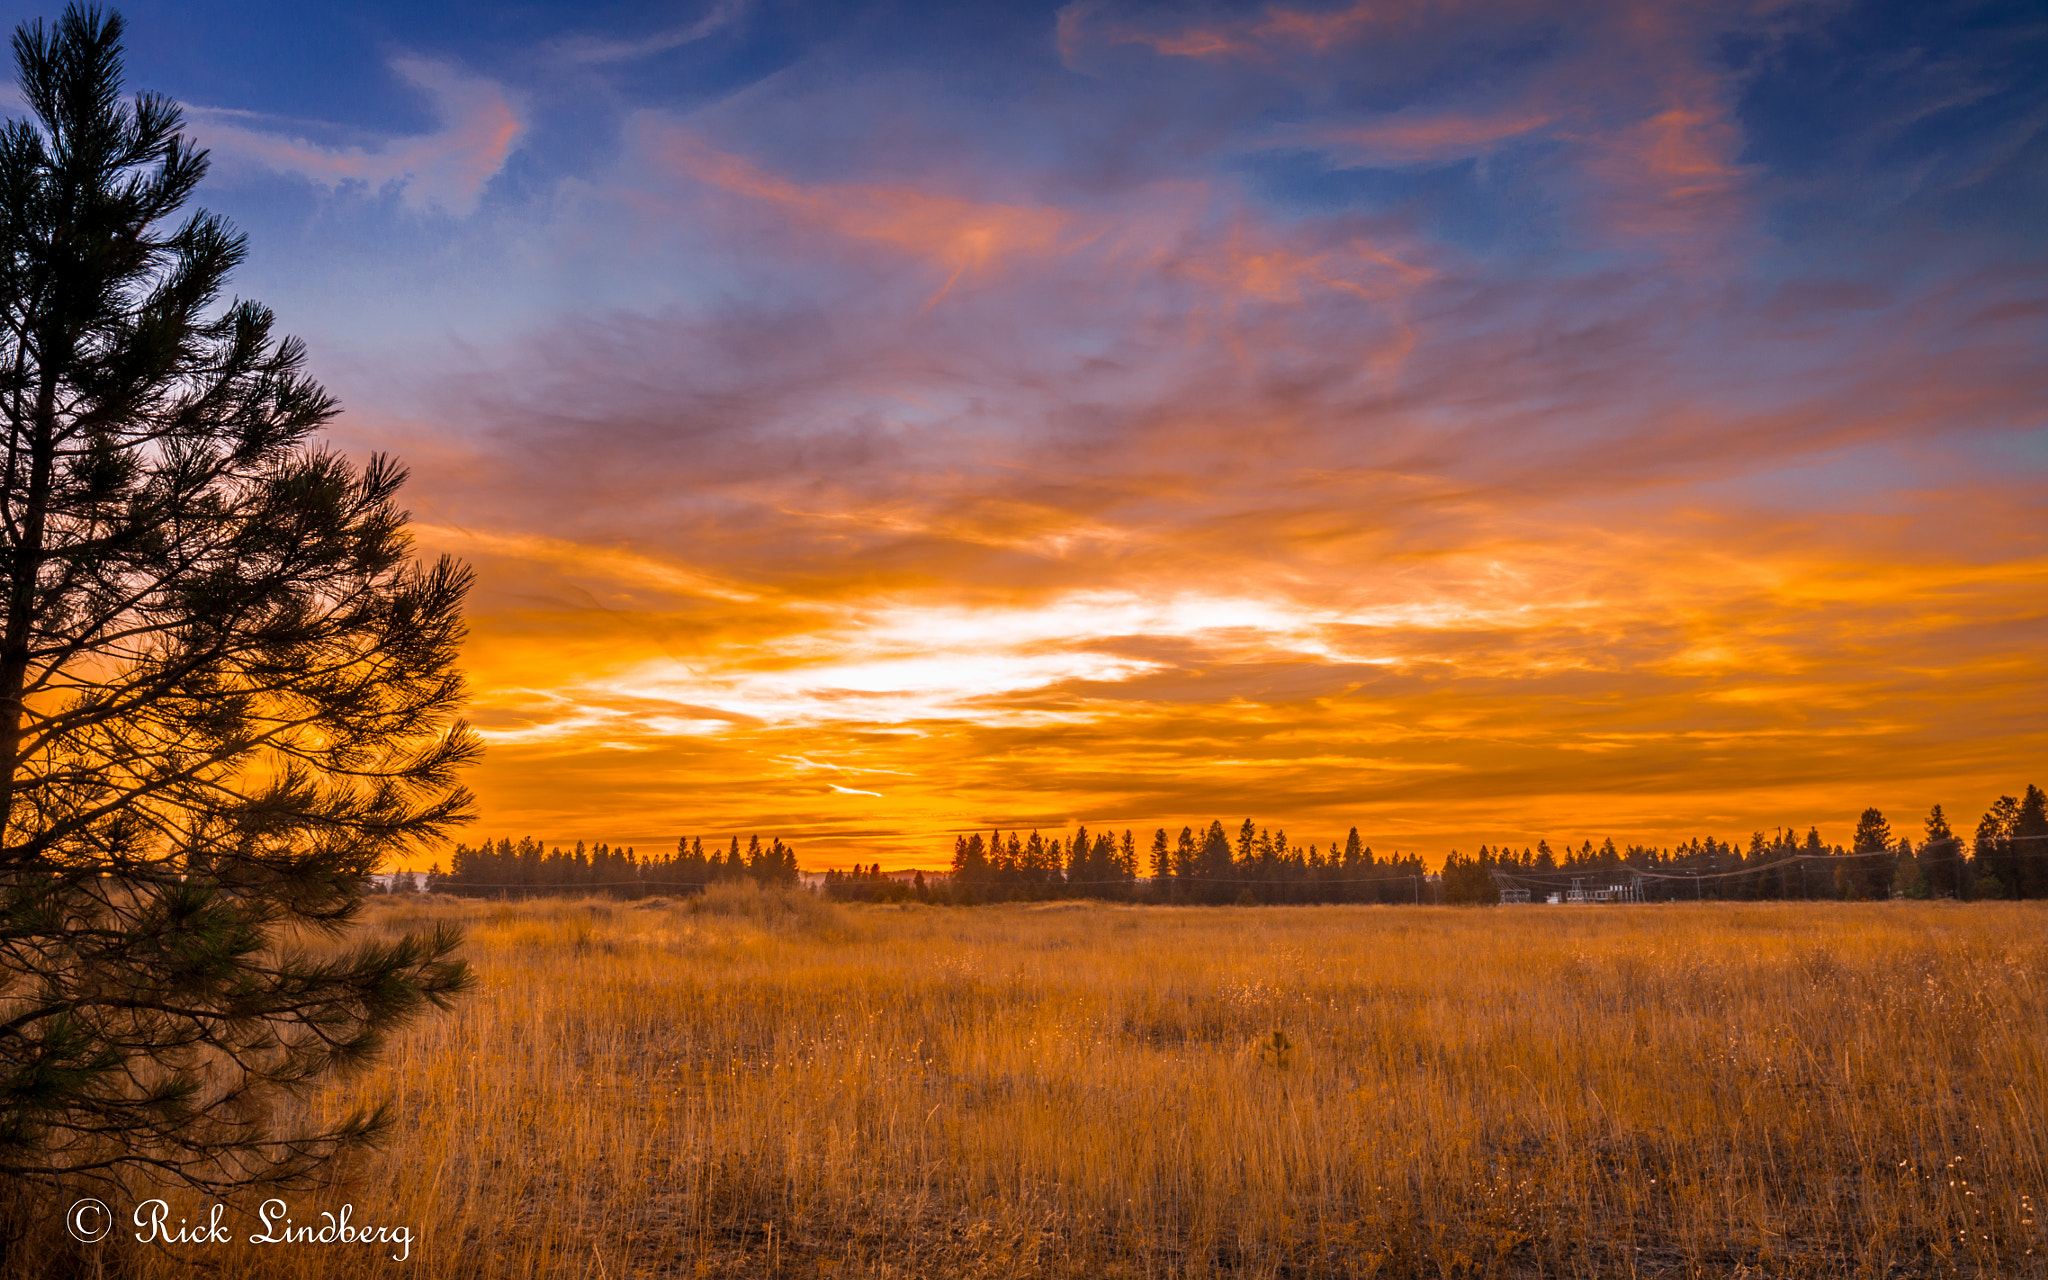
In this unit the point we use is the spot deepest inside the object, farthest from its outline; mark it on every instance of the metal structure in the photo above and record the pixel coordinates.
(1523, 887)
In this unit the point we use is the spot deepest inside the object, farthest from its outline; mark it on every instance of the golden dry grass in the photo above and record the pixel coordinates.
(777, 1087)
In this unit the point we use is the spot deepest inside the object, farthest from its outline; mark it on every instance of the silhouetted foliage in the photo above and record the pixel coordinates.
(1254, 864)
(226, 689)
(1260, 865)
(527, 869)
(1872, 875)
(1263, 866)
(871, 884)
(2010, 837)
(1941, 857)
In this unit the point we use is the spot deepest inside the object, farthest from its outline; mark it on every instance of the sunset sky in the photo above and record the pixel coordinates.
(1471, 422)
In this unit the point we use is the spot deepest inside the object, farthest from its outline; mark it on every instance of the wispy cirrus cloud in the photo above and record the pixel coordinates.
(1412, 138)
(1625, 127)
(446, 170)
(962, 236)
(1273, 31)
(723, 15)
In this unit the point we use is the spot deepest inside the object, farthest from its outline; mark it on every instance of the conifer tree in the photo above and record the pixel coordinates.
(1873, 840)
(226, 689)
(690, 871)
(1120, 856)
(1078, 870)
(1942, 855)
(1814, 881)
(2029, 842)
(782, 868)
(1036, 863)
(1213, 862)
(1996, 853)
(970, 861)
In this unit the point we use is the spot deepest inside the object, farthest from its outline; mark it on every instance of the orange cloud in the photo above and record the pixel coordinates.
(1421, 138)
(1672, 178)
(1716, 684)
(961, 236)
(1262, 269)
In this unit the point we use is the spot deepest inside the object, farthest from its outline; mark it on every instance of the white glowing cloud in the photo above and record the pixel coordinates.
(896, 663)
(888, 690)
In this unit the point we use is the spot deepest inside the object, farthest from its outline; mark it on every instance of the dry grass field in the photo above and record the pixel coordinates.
(757, 1086)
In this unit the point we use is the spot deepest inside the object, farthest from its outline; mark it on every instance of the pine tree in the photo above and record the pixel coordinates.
(1079, 872)
(780, 865)
(970, 861)
(1873, 842)
(1213, 862)
(1942, 855)
(1998, 876)
(226, 689)
(2029, 856)
(1037, 865)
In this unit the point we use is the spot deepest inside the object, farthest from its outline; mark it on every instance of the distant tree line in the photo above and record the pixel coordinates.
(1256, 865)
(871, 884)
(2006, 858)
(526, 869)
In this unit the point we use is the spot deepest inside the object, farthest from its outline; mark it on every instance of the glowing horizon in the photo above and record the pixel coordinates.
(1480, 426)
